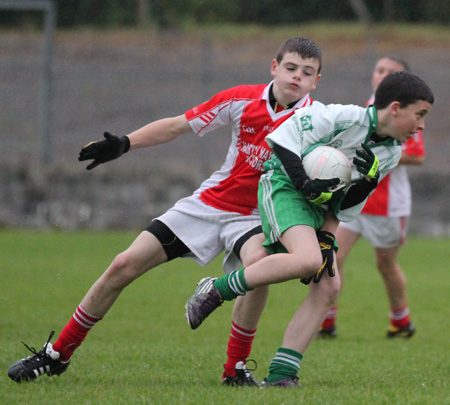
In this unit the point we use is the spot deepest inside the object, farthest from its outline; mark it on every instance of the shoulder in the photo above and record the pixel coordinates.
(322, 114)
(332, 109)
(243, 92)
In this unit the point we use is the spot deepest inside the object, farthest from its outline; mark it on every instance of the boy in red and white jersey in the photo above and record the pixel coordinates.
(383, 222)
(221, 215)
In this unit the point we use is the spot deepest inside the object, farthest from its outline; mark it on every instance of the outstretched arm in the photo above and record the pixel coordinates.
(113, 146)
(159, 132)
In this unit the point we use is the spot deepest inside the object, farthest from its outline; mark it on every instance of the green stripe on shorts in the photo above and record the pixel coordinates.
(282, 206)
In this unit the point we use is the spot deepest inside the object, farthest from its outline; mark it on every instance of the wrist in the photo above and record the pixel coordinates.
(327, 234)
(126, 143)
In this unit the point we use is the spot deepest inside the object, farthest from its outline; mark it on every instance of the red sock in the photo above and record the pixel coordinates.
(400, 316)
(239, 348)
(74, 333)
(329, 321)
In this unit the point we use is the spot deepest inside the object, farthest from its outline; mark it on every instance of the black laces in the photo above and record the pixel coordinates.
(43, 352)
(254, 363)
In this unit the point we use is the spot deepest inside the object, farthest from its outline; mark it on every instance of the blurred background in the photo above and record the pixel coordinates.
(71, 70)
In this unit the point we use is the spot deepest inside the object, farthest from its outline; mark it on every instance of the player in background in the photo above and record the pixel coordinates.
(221, 215)
(292, 208)
(383, 222)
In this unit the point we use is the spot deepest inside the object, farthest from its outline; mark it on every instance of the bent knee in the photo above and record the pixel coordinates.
(311, 265)
(332, 288)
(254, 256)
(122, 272)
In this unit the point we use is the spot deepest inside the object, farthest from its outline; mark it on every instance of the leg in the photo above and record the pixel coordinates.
(144, 253)
(346, 239)
(301, 330)
(247, 311)
(395, 283)
(302, 260)
(308, 318)
(248, 308)
(393, 276)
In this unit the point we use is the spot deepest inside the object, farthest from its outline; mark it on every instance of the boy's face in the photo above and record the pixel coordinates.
(408, 120)
(383, 67)
(294, 77)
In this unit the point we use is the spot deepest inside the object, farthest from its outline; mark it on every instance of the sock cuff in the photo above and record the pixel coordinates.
(285, 352)
(399, 313)
(84, 318)
(242, 331)
(243, 281)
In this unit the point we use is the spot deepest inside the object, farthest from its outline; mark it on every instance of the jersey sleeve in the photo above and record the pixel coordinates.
(224, 108)
(212, 114)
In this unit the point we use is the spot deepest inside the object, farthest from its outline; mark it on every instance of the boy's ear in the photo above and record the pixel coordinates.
(317, 80)
(394, 108)
(274, 67)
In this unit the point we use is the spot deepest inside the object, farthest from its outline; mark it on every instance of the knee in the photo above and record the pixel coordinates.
(121, 272)
(330, 288)
(254, 256)
(311, 265)
(334, 289)
(387, 267)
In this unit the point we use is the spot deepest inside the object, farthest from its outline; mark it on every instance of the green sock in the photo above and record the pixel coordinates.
(232, 285)
(285, 364)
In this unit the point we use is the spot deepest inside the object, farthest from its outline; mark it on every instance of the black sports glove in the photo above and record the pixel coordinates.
(110, 148)
(317, 190)
(326, 243)
(368, 164)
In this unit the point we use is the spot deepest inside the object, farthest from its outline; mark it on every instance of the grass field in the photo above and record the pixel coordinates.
(143, 352)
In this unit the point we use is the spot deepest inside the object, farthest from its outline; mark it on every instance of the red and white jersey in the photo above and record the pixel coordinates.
(246, 108)
(392, 197)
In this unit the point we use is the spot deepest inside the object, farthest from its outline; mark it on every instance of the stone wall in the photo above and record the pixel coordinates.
(120, 198)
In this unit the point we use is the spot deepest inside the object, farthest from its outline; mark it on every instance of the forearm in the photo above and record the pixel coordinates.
(357, 193)
(293, 166)
(159, 132)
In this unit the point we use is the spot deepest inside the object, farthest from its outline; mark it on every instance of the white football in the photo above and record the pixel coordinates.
(325, 162)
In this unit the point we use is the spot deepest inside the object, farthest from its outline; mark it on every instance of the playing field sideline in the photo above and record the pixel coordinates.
(143, 352)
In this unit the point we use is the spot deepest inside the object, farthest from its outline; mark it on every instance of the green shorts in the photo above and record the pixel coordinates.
(282, 206)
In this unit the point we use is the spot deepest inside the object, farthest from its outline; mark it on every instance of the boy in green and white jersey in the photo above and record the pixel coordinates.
(297, 212)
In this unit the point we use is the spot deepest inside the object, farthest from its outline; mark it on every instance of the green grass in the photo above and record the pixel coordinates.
(143, 352)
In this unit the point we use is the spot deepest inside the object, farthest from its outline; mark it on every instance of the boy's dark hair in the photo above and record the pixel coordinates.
(404, 87)
(305, 47)
(396, 58)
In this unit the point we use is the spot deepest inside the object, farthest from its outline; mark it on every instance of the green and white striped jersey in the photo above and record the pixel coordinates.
(343, 127)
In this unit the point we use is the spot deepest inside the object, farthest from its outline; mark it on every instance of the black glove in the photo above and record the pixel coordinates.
(326, 243)
(317, 190)
(368, 164)
(110, 148)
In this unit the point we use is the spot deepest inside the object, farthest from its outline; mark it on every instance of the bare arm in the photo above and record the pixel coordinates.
(113, 146)
(159, 132)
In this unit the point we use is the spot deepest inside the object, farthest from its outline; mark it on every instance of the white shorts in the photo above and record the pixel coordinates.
(381, 232)
(207, 231)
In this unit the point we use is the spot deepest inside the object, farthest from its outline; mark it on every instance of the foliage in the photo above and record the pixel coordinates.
(173, 13)
(143, 352)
